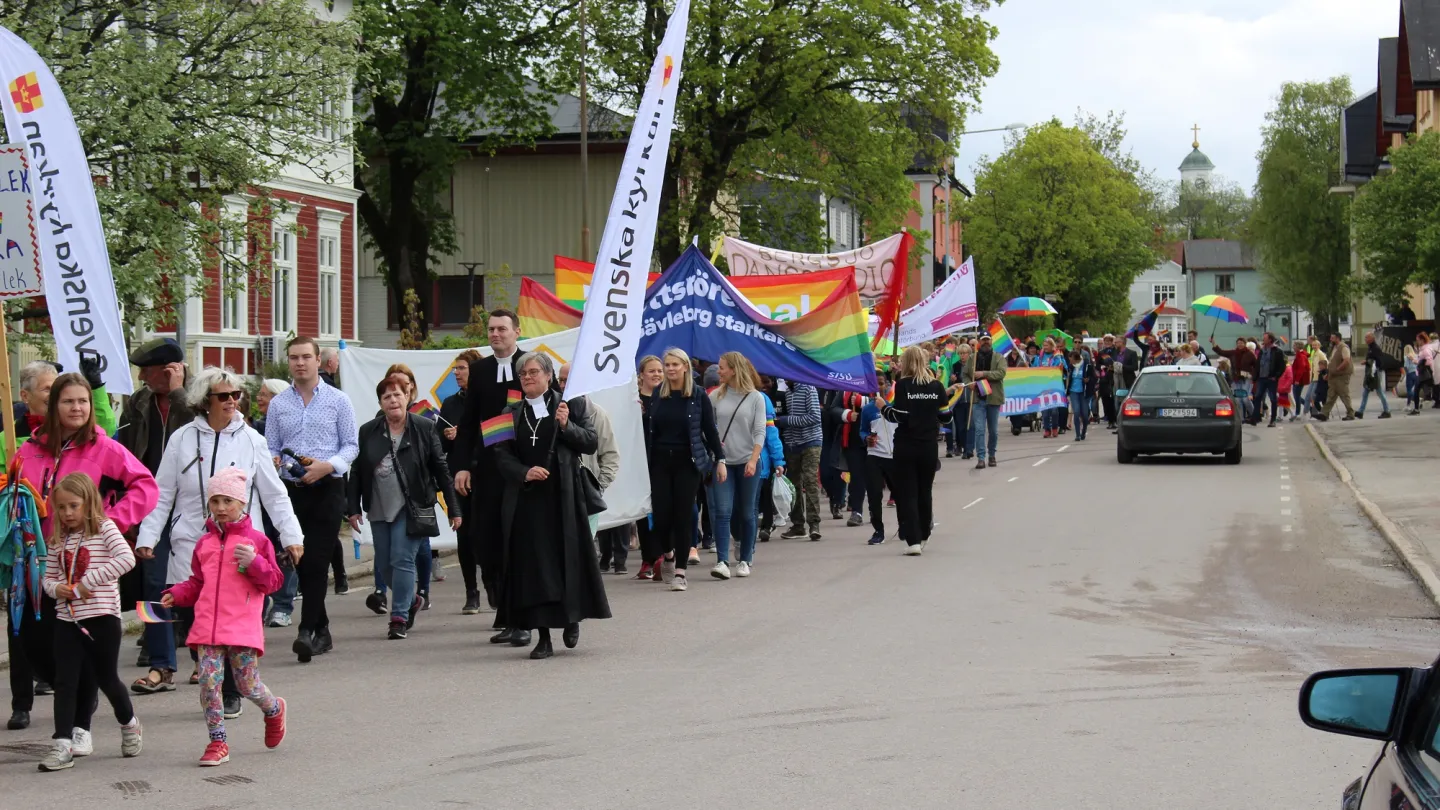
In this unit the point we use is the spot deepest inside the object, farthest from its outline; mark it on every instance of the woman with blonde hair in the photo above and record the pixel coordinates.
(740, 408)
(682, 443)
(918, 410)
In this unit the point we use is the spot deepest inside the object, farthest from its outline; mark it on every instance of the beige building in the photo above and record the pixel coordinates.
(519, 207)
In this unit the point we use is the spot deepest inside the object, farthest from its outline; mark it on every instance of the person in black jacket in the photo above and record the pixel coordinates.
(682, 443)
(847, 450)
(918, 409)
(398, 471)
(452, 413)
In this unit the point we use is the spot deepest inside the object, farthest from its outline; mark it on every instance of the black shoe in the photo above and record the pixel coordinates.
(793, 532)
(323, 642)
(398, 630)
(43, 688)
(622, 569)
(304, 646)
(233, 707)
(992, 462)
(415, 608)
(1348, 419)
(571, 637)
(1014, 431)
(18, 720)
(425, 594)
(949, 454)
(815, 534)
(144, 660)
(503, 637)
(342, 585)
(764, 535)
(967, 456)
(542, 647)
(472, 603)
(490, 597)
(1385, 415)
(376, 602)
(855, 520)
(835, 512)
(521, 638)
(604, 564)
(1359, 414)
(980, 464)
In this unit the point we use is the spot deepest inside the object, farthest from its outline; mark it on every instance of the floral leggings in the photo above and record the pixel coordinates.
(245, 664)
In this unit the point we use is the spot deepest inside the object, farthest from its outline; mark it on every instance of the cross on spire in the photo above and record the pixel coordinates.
(1196, 130)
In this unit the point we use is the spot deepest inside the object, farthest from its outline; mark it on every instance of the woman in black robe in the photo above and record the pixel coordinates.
(551, 574)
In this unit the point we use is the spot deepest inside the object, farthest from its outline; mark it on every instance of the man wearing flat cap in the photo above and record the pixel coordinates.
(158, 409)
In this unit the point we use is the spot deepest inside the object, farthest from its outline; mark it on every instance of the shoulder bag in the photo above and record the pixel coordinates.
(421, 520)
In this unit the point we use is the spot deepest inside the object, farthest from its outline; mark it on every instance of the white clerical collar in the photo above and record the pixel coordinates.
(537, 406)
(504, 368)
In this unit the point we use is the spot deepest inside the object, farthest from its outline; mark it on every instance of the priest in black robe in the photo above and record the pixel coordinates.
(551, 575)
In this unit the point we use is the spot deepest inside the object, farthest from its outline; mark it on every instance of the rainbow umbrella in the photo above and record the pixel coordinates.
(1028, 307)
(1220, 308)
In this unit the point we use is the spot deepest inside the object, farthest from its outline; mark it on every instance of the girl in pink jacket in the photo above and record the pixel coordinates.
(231, 572)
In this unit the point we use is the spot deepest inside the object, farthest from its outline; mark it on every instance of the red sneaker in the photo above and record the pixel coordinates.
(644, 571)
(275, 726)
(216, 753)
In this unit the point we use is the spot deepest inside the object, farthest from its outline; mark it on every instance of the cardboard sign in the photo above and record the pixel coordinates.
(19, 243)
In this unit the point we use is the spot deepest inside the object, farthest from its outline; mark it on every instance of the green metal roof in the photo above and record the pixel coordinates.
(1196, 160)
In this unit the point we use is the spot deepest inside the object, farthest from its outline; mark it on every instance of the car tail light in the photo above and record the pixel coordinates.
(1131, 408)
(1224, 408)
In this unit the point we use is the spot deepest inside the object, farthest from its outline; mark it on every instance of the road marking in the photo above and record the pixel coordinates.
(972, 503)
(1285, 511)
(1284, 478)
(1284, 487)
(1041, 461)
(1286, 528)
(1284, 498)
(1062, 448)
(1013, 480)
(1284, 467)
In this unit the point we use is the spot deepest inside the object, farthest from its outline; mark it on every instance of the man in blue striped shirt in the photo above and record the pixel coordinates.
(317, 423)
(800, 430)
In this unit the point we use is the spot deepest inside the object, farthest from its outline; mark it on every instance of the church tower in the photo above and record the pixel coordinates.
(1196, 169)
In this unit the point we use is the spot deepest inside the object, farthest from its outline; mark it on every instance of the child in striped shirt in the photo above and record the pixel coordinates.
(87, 556)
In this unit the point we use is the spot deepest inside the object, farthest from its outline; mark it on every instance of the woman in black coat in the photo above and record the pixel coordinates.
(551, 576)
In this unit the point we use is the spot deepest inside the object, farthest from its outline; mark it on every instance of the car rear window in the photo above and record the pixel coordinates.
(1178, 383)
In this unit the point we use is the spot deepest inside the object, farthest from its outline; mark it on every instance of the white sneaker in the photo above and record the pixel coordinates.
(677, 583)
(743, 569)
(914, 551)
(720, 571)
(59, 757)
(667, 570)
(280, 619)
(131, 739)
(81, 743)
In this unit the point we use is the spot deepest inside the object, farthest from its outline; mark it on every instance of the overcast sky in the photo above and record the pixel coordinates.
(1169, 64)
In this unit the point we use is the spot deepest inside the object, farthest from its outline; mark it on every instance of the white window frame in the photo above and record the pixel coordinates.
(329, 228)
(1158, 292)
(284, 291)
(236, 244)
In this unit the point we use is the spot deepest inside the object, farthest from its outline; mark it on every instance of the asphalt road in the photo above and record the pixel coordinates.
(1078, 635)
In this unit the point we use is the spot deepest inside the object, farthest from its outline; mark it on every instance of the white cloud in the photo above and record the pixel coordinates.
(1169, 64)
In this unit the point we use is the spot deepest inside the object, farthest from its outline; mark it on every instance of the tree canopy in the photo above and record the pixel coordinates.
(1219, 209)
(1300, 229)
(829, 93)
(181, 103)
(1055, 217)
(1397, 222)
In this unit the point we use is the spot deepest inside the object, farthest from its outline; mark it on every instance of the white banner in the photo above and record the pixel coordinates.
(20, 258)
(874, 263)
(628, 497)
(79, 290)
(610, 328)
(950, 308)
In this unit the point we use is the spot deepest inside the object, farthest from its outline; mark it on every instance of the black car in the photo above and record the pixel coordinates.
(1180, 409)
(1400, 707)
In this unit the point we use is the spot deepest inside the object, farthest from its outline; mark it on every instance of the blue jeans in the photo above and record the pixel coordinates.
(1267, 388)
(734, 501)
(961, 434)
(1080, 407)
(987, 417)
(1365, 397)
(1242, 390)
(1297, 399)
(285, 597)
(424, 567)
(1412, 389)
(395, 560)
(159, 638)
(1049, 418)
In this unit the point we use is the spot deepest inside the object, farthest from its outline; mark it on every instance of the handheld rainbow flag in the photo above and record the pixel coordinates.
(1000, 339)
(150, 613)
(512, 396)
(984, 387)
(425, 409)
(498, 429)
(1145, 325)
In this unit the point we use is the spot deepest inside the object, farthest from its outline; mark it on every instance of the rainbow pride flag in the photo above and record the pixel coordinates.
(512, 396)
(1146, 324)
(425, 409)
(542, 312)
(1000, 339)
(1032, 390)
(149, 613)
(498, 429)
(783, 298)
(984, 387)
(572, 281)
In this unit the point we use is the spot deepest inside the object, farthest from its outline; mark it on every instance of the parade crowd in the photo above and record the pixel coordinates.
(190, 504)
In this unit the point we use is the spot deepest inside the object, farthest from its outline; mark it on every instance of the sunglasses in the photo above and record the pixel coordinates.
(226, 396)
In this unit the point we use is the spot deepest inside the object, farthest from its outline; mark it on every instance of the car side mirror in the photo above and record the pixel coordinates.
(1355, 702)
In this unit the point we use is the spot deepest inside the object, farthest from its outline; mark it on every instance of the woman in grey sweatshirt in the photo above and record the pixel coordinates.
(733, 491)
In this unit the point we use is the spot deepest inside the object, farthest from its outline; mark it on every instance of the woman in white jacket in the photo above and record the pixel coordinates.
(218, 438)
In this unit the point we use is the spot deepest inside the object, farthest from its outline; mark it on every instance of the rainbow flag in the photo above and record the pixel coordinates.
(512, 396)
(1032, 390)
(498, 429)
(572, 282)
(1146, 325)
(782, 298)
(542, 312)
(1000, 340)
(984, 387)
(149, 612)
(425, 409)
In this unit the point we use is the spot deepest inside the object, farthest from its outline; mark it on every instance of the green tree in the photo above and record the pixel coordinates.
(1054, 217)
(443, 79)
(829, 93)
(1219, 209)
(1300, 229)
(1397, 222)
(181, 103)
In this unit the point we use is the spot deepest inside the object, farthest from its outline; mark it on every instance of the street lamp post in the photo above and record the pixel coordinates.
(470, 271)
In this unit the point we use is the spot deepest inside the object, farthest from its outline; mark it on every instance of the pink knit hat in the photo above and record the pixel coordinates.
(230, 482)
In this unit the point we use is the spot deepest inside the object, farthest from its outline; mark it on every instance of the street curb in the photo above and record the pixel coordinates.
(1414, 558)
(134, 626)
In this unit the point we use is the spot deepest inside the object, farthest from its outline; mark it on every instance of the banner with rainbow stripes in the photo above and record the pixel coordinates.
(542, 312)
(1032, 390)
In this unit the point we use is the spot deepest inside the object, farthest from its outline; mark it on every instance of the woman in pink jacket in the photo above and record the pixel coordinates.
(232, 570)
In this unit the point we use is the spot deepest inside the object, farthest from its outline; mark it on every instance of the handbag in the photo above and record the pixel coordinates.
(421, 521)
(590, 486)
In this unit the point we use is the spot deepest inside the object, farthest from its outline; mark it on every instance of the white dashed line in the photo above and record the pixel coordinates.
(1284, 498)
(1285, 512)
(1041, 461)
(1013, 480)
(1285, 528)
(1284, 487)
(1284, 478)
(1062, 448)
(1284, 467)
(972, 503)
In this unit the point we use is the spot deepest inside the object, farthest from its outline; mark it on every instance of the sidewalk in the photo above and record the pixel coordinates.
(1390, 465)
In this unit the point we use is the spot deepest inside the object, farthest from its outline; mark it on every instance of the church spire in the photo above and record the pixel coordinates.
(1196, 130)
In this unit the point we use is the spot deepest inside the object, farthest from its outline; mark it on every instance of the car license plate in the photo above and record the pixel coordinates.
(1179, 412)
